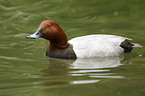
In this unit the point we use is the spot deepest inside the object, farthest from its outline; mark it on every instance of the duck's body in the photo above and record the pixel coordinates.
(97, 46)
(80, 47)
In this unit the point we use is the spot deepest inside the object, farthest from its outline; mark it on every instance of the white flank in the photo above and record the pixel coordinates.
(97, 45)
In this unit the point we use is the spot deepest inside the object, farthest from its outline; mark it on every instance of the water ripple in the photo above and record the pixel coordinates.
(15, 58)
(85, 71)
(84, 81)
(8, 8)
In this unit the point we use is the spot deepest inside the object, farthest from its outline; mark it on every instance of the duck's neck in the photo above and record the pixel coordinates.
(59, 42)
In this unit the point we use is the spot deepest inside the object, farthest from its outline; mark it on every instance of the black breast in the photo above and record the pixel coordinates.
(67, 53)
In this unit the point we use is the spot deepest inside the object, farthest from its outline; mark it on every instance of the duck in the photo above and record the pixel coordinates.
(89, 46)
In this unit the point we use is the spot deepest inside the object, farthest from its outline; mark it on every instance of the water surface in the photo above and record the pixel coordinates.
(26, 71)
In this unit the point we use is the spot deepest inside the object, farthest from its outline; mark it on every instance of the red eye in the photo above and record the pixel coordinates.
(49, 25)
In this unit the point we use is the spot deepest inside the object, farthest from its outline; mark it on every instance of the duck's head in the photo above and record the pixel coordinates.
(51, 31)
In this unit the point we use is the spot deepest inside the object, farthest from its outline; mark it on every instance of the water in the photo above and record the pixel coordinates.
(26, 71)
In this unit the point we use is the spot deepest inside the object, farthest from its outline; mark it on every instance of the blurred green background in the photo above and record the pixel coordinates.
(26, 71)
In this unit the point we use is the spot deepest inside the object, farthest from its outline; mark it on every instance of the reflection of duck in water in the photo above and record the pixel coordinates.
(80, 47)
(91, 67)
(92, 63)
(61, 66)
(57, 67)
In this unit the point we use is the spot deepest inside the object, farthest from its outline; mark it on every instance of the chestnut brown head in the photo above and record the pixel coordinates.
(51, 31)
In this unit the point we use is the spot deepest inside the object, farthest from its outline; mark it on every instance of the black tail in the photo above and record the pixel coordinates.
(127, 46)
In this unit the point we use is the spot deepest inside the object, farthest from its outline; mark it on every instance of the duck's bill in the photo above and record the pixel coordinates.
(37, 34)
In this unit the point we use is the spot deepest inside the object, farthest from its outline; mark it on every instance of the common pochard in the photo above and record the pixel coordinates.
(80, 47)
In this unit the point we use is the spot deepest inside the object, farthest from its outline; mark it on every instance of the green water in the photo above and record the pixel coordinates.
(26, 71)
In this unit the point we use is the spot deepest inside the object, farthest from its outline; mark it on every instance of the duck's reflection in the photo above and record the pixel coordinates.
(93, 68)
(57, 67)
(94, 63)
